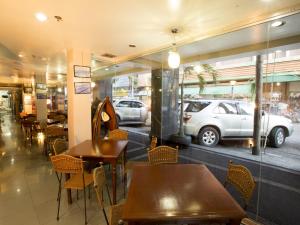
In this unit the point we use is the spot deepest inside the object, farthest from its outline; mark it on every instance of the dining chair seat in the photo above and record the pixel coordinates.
(76, 182)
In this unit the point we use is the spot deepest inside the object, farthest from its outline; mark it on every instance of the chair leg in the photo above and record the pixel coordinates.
(103, 210)
(77, 194)
(84, 205)
(59, 197)
(89, 191)
(108, 194)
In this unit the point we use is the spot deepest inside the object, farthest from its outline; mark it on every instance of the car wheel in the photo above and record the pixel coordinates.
(277, 137)
(209, 137)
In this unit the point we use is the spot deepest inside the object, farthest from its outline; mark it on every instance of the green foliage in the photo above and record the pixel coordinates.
(207, 70)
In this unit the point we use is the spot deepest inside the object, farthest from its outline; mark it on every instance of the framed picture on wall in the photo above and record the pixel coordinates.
(82, 71)
(82, 87)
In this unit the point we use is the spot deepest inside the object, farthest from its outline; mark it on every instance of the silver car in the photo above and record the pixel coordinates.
(212, 120)
(130, 111)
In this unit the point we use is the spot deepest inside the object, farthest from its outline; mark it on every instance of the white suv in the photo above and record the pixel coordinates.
(212, 120)
(130, 111)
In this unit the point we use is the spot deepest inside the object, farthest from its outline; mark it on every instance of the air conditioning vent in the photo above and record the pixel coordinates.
(108, 55)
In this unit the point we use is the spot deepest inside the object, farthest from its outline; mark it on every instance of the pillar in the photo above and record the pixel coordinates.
(41, 97)
(79, 105)
(257, 110)
(164, 103)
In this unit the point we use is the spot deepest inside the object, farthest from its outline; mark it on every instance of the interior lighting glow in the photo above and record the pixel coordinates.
(41, 17)
(173, 59)
(93, 84)
(174, 4)
(278, 23)
(278, 84)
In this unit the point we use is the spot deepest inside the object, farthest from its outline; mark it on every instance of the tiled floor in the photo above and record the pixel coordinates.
(28, 186)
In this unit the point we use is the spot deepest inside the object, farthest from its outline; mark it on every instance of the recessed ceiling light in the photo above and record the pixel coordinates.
(41, 17)
(132, 46)
(278, 23)
(106, 69)
(21, 55)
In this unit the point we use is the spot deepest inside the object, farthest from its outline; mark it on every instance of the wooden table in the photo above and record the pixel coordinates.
(101, 151)
(178, 194)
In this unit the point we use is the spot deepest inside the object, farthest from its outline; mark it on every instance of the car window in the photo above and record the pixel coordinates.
(124, 104)
(196, 106)
(136, 105)
(226, 108)
(246, 108)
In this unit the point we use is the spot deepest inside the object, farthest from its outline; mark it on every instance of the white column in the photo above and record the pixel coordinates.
(79, 105)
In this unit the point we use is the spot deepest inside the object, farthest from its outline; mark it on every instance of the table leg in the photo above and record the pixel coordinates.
(69, 193)
(114, 182)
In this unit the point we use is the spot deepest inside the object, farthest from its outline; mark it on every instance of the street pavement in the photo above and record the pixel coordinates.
(288, 156)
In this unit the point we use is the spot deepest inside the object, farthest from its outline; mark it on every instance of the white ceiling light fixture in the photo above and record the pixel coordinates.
(174, 57)
(41, 16)
(93, 84)
(277, 23)
(21, 55)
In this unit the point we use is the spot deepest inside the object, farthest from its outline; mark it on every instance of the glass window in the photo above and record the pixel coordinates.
(196, 106)
(226, 108)
(123, 104)
(136, 105)
(246, 108)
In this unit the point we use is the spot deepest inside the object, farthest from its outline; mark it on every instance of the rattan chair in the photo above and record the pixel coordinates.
(241, 178)
(99, 185)
(163, 154)
(79, 180)
(59, 146)
(53, 132)
(247, 221)
(118, 134)
(153, 143)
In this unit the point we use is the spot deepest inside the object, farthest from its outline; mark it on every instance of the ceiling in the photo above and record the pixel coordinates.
(110, 26)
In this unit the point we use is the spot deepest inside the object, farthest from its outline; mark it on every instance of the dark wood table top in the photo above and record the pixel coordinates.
(98, 149)
(178, 192)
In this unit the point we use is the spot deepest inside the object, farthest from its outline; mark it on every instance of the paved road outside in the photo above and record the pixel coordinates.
(288, 156)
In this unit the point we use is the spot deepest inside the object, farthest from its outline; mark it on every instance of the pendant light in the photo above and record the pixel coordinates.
(174, 57)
